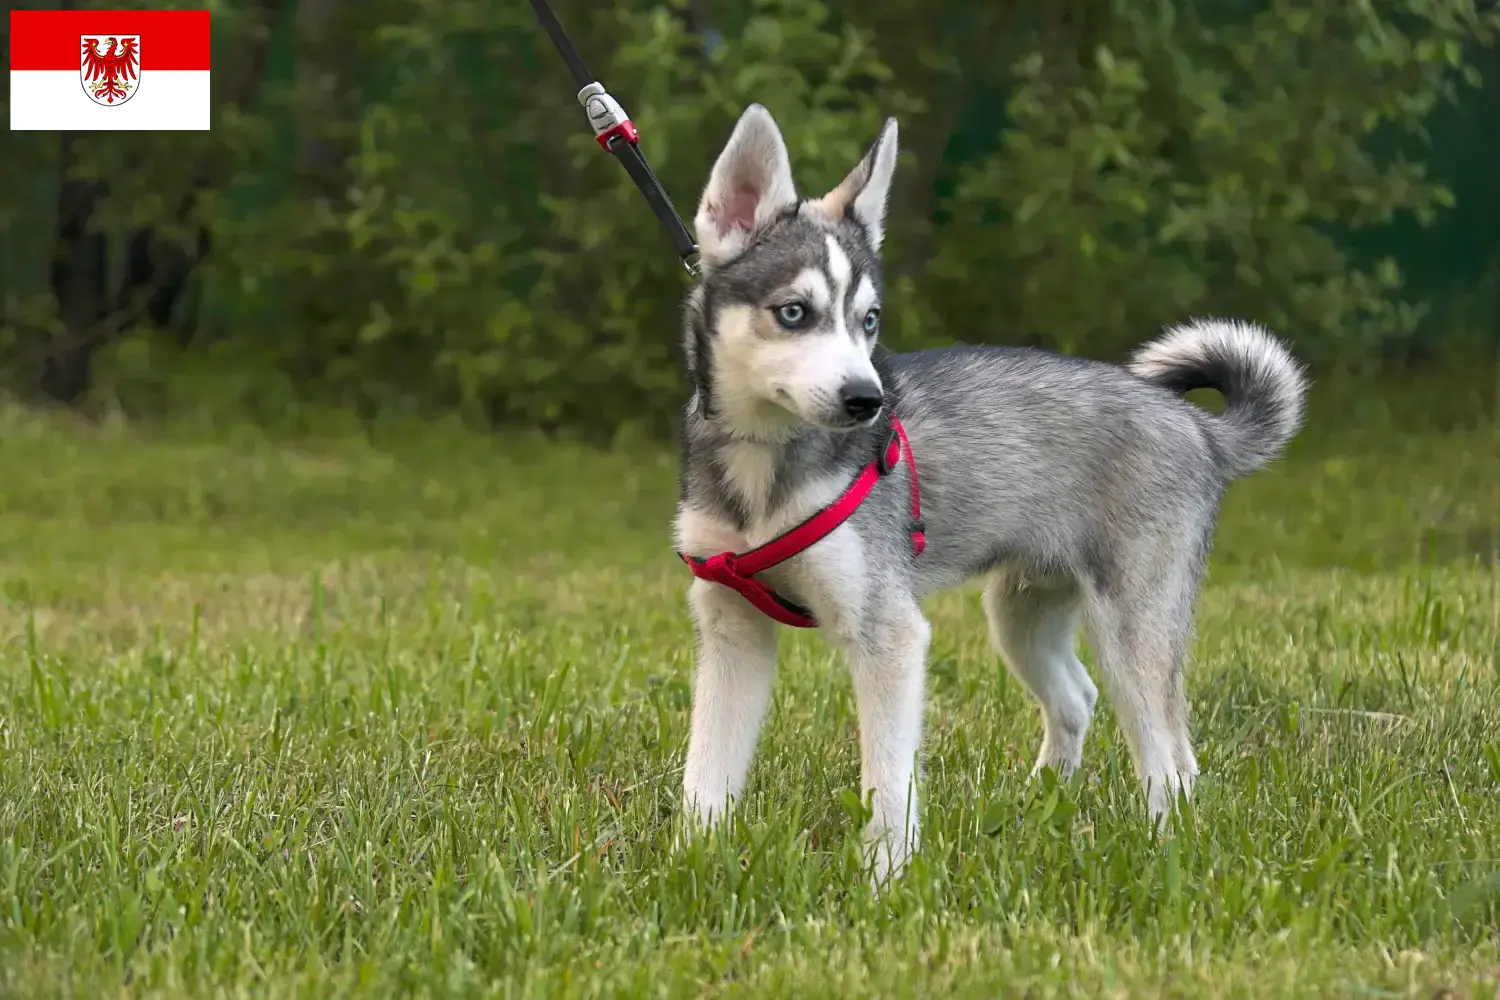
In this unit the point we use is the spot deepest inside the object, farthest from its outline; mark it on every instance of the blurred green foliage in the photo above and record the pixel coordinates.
(400, 208)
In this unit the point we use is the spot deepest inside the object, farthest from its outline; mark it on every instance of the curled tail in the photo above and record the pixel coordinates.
(1263, 386)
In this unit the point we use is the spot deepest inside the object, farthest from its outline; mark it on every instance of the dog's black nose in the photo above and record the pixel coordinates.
(861, 399)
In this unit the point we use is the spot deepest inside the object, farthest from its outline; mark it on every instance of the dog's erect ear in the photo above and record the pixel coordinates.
(862, 195)
(750, 185)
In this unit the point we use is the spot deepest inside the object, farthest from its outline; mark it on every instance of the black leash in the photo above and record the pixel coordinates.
(613, 130)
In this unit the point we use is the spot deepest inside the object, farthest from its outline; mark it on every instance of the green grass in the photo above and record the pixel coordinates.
(339, 718)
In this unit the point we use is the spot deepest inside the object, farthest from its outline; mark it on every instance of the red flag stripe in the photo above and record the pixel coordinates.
(52, 39)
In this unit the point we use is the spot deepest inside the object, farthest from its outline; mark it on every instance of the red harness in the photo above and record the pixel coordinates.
(738, 569)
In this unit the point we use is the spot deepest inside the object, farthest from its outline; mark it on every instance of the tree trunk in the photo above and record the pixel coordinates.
(322, 80)
(78, 279)
(159, 271)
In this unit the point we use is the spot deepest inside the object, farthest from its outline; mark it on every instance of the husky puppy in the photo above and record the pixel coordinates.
(1076, 490)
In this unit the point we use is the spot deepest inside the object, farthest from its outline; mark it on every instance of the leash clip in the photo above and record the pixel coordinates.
(606, 117)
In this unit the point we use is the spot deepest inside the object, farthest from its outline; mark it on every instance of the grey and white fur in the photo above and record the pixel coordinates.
(1080, 492)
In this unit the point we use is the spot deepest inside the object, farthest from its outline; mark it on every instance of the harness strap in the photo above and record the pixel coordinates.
(918, 529)
(737, 570)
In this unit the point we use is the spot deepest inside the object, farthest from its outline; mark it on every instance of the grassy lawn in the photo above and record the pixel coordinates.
(405, 713)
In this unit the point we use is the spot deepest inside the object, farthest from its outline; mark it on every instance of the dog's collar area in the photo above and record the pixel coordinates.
(737, 570)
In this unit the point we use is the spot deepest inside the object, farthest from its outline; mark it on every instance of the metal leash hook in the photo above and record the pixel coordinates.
(615, 132)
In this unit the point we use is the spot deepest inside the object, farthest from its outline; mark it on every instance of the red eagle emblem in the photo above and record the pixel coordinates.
(111, 72)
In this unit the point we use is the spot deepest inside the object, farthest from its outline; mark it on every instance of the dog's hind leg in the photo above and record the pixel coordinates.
(732, 688)
(1033, 628)
(1141, 630)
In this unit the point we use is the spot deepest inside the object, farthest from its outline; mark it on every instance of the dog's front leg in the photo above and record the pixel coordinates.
(736, 665)
(888, 659)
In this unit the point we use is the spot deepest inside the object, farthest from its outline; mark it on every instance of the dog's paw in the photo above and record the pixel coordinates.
(1165, 794)
(703, 812)
(701, 816)
(887, 853)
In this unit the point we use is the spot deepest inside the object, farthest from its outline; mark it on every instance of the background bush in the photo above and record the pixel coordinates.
(400, 208)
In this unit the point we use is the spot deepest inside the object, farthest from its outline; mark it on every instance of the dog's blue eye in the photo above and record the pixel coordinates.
(872, 320)
(792, 315)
